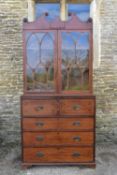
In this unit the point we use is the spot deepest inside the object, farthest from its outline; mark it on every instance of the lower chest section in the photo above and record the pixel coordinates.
(58, 130)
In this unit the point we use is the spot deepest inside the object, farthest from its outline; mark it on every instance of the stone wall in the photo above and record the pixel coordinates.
(105, 77)
(11, 82)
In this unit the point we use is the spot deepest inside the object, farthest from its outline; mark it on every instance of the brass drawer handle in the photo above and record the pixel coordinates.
(77, 123)
(77, 138)
(39, 108)
(76, 107)
(40, 154)
(40, 124)
(40, 138)
(76, 154)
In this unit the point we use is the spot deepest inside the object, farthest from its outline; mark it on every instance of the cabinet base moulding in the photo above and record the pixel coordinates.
(29, 165)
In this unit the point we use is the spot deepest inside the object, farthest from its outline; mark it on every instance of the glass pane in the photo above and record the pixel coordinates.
(81, 10)
(75, 55)
(40, 61)
(52, 9)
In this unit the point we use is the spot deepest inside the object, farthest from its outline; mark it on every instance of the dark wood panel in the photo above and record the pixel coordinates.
(57, 138)
(43, 124)
(39, 107)
(77, 107)
(65, 155)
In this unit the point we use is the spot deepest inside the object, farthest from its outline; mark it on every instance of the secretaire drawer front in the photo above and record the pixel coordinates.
(37, 124)
(54, 155)
(76, 123)
(39, 107)
(77, 107)
(57, 138)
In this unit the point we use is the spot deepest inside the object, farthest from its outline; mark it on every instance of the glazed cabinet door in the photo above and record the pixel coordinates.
(75, 61)
(40, 61)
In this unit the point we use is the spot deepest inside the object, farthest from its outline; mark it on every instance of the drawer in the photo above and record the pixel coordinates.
(39, 107)
(77, 107)
(54, 155)
(43, 124)
(76, 123)
(37, 124)
(36, 139)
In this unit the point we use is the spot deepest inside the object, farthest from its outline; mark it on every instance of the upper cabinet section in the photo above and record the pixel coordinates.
(58, 56)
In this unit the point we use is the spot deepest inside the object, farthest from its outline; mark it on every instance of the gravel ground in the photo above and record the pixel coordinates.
(106, 159)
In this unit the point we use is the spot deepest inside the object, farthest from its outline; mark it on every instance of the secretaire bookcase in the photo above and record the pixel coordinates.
(58, 105)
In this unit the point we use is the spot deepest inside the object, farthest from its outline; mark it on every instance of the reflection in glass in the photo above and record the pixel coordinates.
(75, 54)
(40, 63)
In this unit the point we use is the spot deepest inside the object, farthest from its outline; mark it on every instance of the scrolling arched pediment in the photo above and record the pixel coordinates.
(43, 24)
